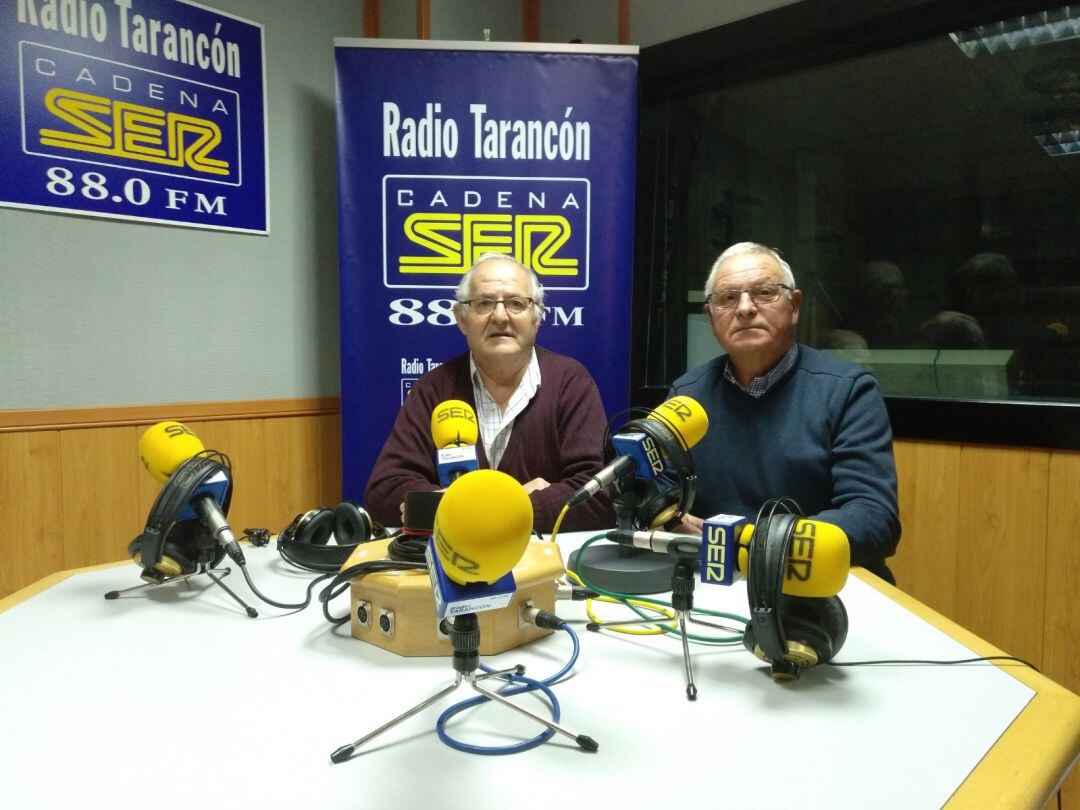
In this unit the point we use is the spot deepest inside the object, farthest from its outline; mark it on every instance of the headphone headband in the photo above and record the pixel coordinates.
(305, 541)
(679, 459)
(769, 547)
(174, 496)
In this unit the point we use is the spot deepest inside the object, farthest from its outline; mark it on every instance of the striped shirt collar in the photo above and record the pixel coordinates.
(760, 385)
(495, 426)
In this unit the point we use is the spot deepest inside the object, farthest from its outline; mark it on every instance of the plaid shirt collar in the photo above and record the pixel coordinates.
(495, 426)
(760, 385)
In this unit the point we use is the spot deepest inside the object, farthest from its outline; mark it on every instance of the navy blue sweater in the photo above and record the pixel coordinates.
(820, 435)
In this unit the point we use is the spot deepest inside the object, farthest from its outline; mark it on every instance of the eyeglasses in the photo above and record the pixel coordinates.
(516, 305)
(759, 294)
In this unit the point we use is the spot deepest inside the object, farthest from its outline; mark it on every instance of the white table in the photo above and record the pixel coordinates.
(174, 699)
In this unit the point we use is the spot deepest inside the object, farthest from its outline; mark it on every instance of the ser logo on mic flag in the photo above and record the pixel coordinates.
(720, 549)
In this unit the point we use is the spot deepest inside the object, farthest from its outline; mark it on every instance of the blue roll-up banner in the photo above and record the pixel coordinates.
(150, 110)
(447, 150)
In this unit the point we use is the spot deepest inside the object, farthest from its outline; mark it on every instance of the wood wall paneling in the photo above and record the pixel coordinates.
(370, 13)
(75, 494)
(1001, 563)
(1061, 643)
(295, 459)
(31, 544)
(99, 472)
(330, 460)
(244, 442)
(929, 491)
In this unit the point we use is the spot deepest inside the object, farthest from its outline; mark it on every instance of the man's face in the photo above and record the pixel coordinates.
(758, 332)
(500, 333)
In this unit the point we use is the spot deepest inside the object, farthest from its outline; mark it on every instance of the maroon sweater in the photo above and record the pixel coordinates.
(558, 437)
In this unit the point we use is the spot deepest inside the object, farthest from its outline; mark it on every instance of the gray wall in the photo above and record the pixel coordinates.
(100, 312)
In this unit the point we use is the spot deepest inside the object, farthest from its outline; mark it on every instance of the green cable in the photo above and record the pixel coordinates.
(624, 599)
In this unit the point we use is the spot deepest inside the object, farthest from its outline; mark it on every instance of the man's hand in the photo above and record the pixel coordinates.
(536, 485)
(691, 525)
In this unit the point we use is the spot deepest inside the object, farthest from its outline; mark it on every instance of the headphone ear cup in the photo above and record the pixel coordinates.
(352, 524)
(178, 557)
(315, 527)
(749, 640)
(818, 623)
(658, 504)
(174, 560)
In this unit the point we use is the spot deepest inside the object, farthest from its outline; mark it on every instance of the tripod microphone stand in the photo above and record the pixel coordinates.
(464, 632)
(685, 557)
(203, 569)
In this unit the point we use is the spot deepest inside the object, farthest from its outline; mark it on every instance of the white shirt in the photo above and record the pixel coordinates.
(494, 424)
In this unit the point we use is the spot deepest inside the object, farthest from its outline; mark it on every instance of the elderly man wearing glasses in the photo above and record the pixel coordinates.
(539, 414)
(786, 419)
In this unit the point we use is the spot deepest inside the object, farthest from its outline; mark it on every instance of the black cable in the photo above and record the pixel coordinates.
(341, 581)
(921, 661)
(407, 548)
(284, 605)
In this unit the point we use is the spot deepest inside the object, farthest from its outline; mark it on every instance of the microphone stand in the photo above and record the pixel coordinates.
(464, 632)
(682, 602)
(203, 569)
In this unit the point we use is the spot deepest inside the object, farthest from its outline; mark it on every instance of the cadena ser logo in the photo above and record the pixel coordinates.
(434, 228)
(98, 111)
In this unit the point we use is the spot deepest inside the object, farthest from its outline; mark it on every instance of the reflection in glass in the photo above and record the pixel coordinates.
(933, 235)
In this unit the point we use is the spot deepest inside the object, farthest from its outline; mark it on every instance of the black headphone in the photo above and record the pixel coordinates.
(659, 502)
(170, 548)
(306, 541)
(789, 632)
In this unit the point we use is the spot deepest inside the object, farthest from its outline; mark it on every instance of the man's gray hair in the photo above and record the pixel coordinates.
(462, 293)
(741, 248)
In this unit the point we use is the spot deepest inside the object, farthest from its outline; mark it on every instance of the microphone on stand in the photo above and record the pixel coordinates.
(455, 432)
(638, 451)
(817, 562)
(481, 530)
(186, 532)
(201, 479)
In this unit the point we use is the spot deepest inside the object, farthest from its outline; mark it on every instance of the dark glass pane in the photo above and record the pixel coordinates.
(926, 196)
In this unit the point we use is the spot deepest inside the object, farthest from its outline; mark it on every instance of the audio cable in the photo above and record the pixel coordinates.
(655, 604)
(664, 613)
(517, 684)
(402, 557)
(978, 660)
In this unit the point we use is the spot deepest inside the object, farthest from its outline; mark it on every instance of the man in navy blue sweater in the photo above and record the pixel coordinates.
(786, 419)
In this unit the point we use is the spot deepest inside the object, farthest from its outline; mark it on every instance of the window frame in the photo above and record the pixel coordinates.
(790, 38)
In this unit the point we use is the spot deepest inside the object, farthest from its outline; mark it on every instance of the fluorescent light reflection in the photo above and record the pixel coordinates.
(1026, 31)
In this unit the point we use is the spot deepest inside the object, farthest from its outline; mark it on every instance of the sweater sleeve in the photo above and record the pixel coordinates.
(864, 502)
(581, 425)
(406, 462)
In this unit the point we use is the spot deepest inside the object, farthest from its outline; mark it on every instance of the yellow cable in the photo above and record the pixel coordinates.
(558, 522)
(630, 631)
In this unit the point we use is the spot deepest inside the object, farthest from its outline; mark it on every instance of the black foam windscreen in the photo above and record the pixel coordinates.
(420, 508)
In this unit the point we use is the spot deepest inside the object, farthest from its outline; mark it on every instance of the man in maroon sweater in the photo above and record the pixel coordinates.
(539, 413)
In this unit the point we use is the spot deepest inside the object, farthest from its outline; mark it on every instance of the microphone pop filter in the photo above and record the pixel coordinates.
(685, 417)
(165, 446)
(482, 526)
(453, 424)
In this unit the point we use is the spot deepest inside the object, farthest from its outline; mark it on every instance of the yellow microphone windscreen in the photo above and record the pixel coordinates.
(482, 526)
(817, 563)
(453, 424)
(165, 446)
(685, 417)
